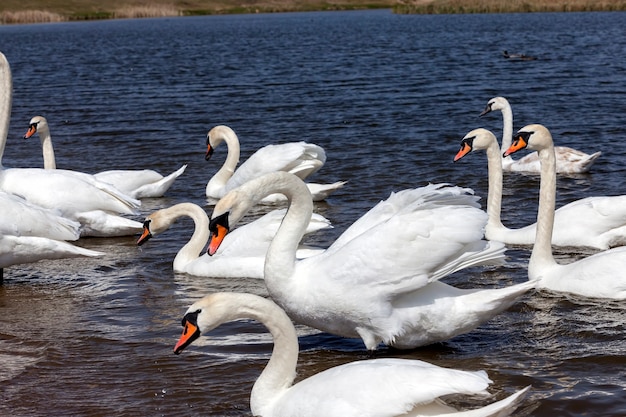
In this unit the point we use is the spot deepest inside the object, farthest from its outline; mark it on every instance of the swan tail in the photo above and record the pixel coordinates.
(483, 253)
(587, 163)
(98, 223)
(159, 188)
(318, 222)
(502, 408)
(321, 192)
(16, 250)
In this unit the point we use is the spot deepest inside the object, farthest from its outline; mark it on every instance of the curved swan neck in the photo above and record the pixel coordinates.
(507, 128)
(280, 260)
(222, 176)
(542, 250)
(494, 194)
(6, 98)
(280, 371)
(49, 161)
(195, 246)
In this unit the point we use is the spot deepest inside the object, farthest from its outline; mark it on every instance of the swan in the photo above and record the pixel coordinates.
(243, 251)
(300, 158)
(144, 183)
(598, 276)
(85, 199)
(375, 387)
(595, 222)
(29, 233)
(568, 160)
(378, 280)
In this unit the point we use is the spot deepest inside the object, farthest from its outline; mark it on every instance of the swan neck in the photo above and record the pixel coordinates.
(542, 250)
(494, 195)
(227, 170)
(6, 98)
(280, 371)
(49, 161)
(195, 246)
(507, 129)
(280, 260)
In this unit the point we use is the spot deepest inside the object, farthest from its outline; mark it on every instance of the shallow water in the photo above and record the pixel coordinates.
(389, 97)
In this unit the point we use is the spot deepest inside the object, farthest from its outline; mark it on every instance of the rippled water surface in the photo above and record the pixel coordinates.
(389, 97)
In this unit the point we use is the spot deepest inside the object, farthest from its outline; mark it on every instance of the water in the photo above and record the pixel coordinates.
(389, 97)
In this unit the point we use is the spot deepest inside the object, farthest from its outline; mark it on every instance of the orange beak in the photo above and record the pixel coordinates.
(32, 129)
(146, 233)
(190, 333)
(217, 238)
(518, 144)
(465, 149)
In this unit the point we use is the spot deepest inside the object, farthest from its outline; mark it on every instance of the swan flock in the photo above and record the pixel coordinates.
(381, 281)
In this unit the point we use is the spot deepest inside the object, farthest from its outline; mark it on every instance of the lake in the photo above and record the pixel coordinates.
(389, 97)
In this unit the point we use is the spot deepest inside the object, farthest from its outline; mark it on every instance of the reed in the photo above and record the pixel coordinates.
(29, 16)
(506, 6)
(151, 10)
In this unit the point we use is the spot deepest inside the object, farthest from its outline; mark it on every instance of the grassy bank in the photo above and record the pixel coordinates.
(33, 11)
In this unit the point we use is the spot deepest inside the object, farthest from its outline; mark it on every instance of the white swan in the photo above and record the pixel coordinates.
(243, 251)
(140, 183)
(600, 275)
(84, 199)
(29, 233)
(595, 222)
(300, 158)
(378, 280)
(376, 387)
(568, 160)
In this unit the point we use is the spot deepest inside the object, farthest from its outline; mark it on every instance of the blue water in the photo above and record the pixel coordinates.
(389, 97)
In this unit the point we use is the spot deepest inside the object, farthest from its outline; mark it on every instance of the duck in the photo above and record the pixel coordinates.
(568, 160)
(29, 233)
(597, 222)
(518, 57)
(300, 158)
(98, 206)
(243, 253)
(600, 275)
(381, 387)
(379, 281)
(140, 183)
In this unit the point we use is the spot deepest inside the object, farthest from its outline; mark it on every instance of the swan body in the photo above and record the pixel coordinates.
(21, 218)
(595, 222)
(136, 183)
(29, 233)
(600, 275)
(376, 387)
(299, 158)
(378, 280)
(243, 251)
(568, 160)
(74, 196)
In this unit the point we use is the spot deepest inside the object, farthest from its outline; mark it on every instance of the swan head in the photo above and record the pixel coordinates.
(534, 137)
(37, 122)
(477, 139)
(496, 103)
(211, 311)
(154, 224)
(217, 135)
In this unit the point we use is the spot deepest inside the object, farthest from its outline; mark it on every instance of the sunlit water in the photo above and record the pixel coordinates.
(389, 97)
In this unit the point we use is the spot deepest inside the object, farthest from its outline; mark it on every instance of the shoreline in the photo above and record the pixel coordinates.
(14, 12)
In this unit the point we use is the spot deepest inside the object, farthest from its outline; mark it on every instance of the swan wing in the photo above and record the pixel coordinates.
(144, 183)
(67, 191)
(299, 158)
(27, 249)
(379, 387)
(404, 247)
(21, 218)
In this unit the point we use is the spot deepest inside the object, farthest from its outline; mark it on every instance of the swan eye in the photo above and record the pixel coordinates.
(191, 317)
(221, 220)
